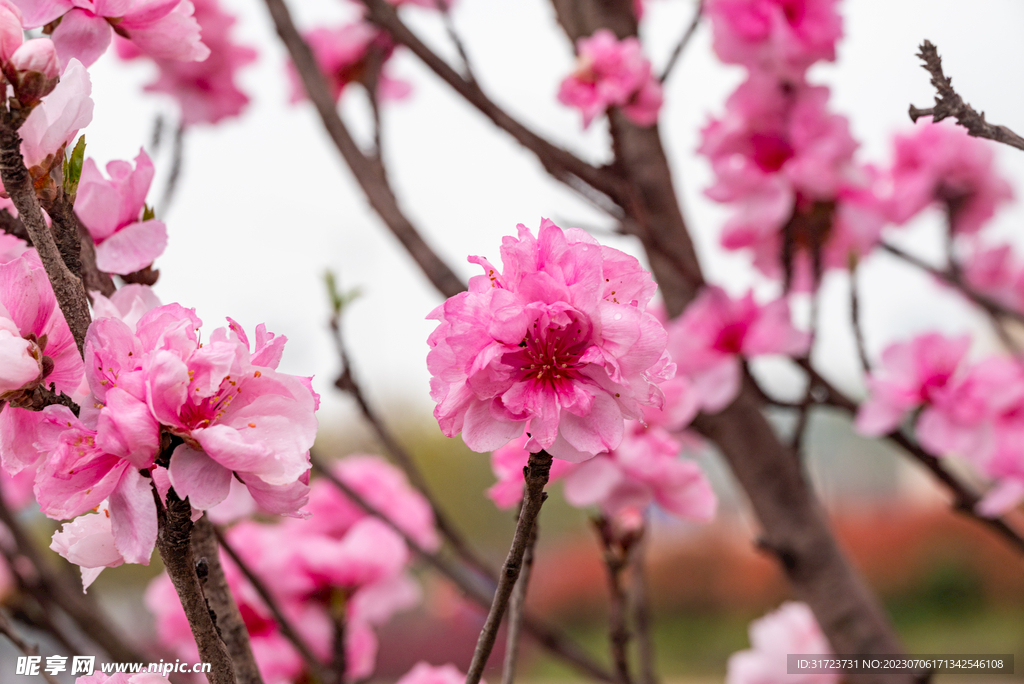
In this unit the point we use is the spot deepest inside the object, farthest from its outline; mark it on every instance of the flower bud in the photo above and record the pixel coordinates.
(11, 34)
(33, 70)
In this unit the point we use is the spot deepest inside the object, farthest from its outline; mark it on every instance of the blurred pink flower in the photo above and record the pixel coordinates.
(612, 73)
(789, 629)
(206, 91)
(942, 163)
(559, 344)
(112, 211)
(425, 673)
(779, 36)
(88, 542)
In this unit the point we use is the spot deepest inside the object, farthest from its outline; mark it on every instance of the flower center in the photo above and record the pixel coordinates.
(551, 353)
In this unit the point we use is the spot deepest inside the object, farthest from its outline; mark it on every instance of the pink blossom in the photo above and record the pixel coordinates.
(507, 463)
(941, 163)
(343, 54)
(33, 70)
(384, 487)
(89, 543)
(996, 272)
(206, 91)
(113, 212)
(129, 304)
(36, 344)
(790, 629)
(612, 73)
(710, 337)
(57, 120)
(780, 36)
(910, 375)
(161, 28)
(558, 344)
(424, 673)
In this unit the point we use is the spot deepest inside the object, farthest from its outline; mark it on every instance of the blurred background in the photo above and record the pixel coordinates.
(265, 206)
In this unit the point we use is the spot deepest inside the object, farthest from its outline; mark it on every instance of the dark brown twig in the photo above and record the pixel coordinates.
(8, 630)
(683, 42)
(67, 223)
(536, 475)
(641, 608)
(453, 35)
(964, 499)
(948, 103)
(222, 602)
(173, 541)
(177, 164)
(67, 284)
(368, 174)
(616, 550)
(516, 606)
(470, 583)
(339, 661)
(313, 665)
(855, 323)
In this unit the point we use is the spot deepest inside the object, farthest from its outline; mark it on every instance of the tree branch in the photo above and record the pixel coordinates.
(641, 608)
(516, 607)
(313, 665)
(470, 585)
(616, 553)
(858, 332)
(67, 285)
(222, 602)
(369, 175)
(949, 104)
(683, 42)
(8, 630)
(66, 223)
(560, 163)
(174, 544)
(536, 475)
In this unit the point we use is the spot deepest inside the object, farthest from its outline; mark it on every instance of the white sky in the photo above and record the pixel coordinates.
(266, 204)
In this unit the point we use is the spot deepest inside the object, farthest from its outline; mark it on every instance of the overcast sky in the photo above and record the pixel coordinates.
(266, 204)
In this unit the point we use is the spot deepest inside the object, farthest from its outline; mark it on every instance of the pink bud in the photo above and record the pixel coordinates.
(11, 34)
(33, 70)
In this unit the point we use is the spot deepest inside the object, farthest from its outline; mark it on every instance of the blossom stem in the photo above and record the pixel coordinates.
(173, 541)
(641, 608)
(616, 558)
(516, 606)
(677, 52)
(222, 603)
(67, 285)
(536, 473)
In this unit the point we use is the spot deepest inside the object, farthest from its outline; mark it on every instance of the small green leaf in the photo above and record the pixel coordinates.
(73, 167)
(148, 213)
(339, 300)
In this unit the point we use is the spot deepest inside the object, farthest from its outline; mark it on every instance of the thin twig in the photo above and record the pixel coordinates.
(536, 475)
(855, 323)
(948, 103)
(683, 42)
(339, 661)
(367, 173)
(453, 35)
(173, 541)
(640, 603)
(222, 602)
(804, 413)
(559, 162)
(313, 665)
(470, 584)
(964, 499)
(616, 551)
(8, 630)
(516, 606)
(177, 164)
(347, 382)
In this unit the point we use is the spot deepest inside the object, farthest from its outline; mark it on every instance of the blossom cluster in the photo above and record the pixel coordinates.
(789, 629)
(972, 410)
(338, 557)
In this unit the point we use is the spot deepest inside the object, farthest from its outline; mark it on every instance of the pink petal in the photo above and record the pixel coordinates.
(81, 35)
(133, 517)
(126, 428)
(1004, 496)
(132, 248)
(197, 476)
(482, 432)
(35, 13)
(592, 482)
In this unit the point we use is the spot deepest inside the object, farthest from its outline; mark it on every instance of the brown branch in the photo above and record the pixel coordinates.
(470, 584)
(368, 174)
(173, 541)
(616, 553)
(339, 661)
(67, 224)
(453, 35)
(313, 665)
(964, 499)
(560, 163)
(12, 225)
(222, 602)
(347, 382)
(177, 164)
(49, 588)
(536, 475)
(516, 607)
(641, 609)
(683, 42)
(855, 323)
(948, 103)
(67, 285)
(8, 630)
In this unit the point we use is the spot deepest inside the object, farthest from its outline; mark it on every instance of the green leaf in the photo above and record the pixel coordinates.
(148, 212)
(339, 300)
(73, 167)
